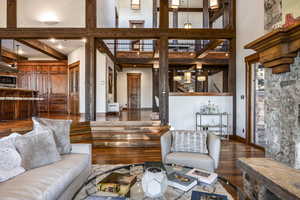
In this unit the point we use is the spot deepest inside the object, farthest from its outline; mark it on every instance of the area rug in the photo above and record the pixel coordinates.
(88, 190)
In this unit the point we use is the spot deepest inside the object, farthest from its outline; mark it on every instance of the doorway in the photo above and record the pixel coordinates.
(134, 91)
(255, 101)
(73, 73)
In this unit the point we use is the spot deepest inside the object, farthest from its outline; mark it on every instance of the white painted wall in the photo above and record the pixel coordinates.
(250, 26)
(70, 13)
(146, 86)
(3, 13)
(106, 14)
(102, 73)
(183, 110)
(126, 13)
(79, 55)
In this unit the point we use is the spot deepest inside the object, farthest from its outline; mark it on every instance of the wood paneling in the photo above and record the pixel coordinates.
(49, 79)
(73, 77)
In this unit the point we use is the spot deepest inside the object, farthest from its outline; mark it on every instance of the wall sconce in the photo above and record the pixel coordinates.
(199, 66)
(156, 65)
(175, 4)
(135, 4)
(187, 77)
(201, 78)
(188, 25)
(49, 18)
(214, 4)
(177, 78)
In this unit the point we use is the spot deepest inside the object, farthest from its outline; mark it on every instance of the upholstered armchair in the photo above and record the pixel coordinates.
(207, 162)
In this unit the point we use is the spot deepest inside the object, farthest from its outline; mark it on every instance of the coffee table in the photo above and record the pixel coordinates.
(89, 190)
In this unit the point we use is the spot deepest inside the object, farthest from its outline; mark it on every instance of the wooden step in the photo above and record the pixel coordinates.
(121, 135)
(124, 123)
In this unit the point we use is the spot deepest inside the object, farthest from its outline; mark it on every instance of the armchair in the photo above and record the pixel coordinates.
(207, 162)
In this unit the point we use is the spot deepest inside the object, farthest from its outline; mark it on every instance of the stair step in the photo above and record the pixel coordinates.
(126, 143)
(124, 123)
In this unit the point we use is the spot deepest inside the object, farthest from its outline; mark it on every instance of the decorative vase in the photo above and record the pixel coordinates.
(154, 182)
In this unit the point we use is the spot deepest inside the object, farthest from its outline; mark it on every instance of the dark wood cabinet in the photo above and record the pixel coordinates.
(50, 79)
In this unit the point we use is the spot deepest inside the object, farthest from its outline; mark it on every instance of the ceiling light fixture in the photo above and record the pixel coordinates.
(49, 18)
(84, 40)
(53, 40)
(60, 46)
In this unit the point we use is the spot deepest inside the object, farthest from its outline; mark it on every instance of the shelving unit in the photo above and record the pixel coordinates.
(221, 128)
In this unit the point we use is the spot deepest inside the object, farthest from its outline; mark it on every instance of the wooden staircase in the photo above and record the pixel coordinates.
(119, 133)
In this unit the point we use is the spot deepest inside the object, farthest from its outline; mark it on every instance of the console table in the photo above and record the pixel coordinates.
(221, 128)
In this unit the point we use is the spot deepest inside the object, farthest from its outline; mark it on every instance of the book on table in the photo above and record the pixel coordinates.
(203, 176)
(116, 185)
(181, 181)
(105, 198)
(207, 196)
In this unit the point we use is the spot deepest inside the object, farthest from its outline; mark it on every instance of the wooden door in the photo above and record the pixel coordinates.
(74, 88)
(134, 90)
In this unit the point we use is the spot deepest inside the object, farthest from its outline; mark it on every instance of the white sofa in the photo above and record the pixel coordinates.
(60, 180)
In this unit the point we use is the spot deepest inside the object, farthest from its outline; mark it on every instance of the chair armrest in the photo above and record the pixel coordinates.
(214, 148)
(82, 148)
(165, 142)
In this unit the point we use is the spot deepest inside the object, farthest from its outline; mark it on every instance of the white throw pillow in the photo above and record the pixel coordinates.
(10, 159)
(61, 130)
(37, 150)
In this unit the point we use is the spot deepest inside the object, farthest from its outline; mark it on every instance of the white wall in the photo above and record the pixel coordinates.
(79, 55)
(102, 73)
(106, 14)
(126, 13)
(2, 13)
(183, 110)
(146, 86)
(70, 13)
(250, 26)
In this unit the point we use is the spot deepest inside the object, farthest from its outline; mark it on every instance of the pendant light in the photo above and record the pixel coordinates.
(213, 4)
(188, 24)
(175, 4)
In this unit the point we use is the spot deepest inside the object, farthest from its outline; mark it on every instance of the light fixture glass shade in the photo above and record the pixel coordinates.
(175, 4)
(177, 78)
(135, 4)
(213, 4)
(187, 77)
(188, 25)
(201, 78)
(156, 65)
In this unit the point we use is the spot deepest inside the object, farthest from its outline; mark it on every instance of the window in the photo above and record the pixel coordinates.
(136, 4)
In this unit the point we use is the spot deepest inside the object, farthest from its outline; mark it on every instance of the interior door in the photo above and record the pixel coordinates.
(134, 90)
(74, 88)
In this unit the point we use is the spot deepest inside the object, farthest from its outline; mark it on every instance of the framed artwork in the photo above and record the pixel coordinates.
(273, 13)
(110, 80)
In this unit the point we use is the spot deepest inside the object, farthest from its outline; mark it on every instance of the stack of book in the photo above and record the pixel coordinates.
(207, 196)
(203, 177)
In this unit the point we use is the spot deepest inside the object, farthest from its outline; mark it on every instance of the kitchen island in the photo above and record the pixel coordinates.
(18, 104)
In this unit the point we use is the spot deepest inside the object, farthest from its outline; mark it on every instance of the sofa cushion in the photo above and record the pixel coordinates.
(61, 130)
(189, 141)
(10, 159)
(45, 183)
(194, 160)
(37, 150)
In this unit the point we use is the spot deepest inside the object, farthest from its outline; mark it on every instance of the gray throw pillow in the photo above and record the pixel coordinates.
(37, 150)
(10, 159)
(61, 130)
(189, 141)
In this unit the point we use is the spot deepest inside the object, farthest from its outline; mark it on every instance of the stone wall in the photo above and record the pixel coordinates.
(282, 106)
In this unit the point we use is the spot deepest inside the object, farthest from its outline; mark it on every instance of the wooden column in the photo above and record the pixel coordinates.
(175, 24)
(90, 79)
(154, 14)
(164, 81)
(232, 80)
(226, 16)
(164, 14)
(205, 13)
(90, 14)
(11, 14)
(155, 88)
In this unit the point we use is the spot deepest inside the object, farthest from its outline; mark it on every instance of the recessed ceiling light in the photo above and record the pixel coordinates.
(20, 52)
(60, 46)
(53, 40)
(49, 18)
(84, 40)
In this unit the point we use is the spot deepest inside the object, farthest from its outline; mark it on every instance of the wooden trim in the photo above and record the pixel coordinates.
(184, 10)
(75, 64)
(199, 94)
(11, 55)
(11, 21)
(210, 46)
(102, 47)
(43, 63)
(44, 48)
(232, 81)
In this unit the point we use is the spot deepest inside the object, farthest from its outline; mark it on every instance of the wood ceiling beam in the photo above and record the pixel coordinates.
(148, 61)
(115, 33)
(184, 9)
(209, 46)
(102, 47)
(44, 48)
(12, 56)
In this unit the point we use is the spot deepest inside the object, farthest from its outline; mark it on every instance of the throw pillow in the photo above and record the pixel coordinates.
(61, 130)
(10, 160)
(37, 150)
(189, 141)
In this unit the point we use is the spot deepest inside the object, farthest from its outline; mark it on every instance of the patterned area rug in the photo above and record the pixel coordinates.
(89, 190)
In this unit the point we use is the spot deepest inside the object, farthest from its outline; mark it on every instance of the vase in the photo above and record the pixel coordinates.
(154, 182)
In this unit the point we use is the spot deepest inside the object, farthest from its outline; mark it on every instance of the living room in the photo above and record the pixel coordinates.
(136, 99)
